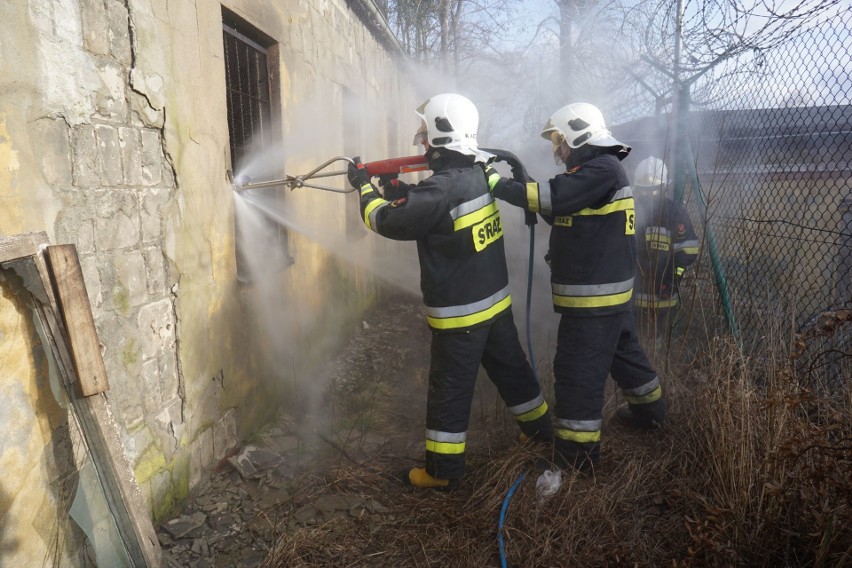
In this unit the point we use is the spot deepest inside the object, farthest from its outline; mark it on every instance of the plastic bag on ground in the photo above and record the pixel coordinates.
(548, 483)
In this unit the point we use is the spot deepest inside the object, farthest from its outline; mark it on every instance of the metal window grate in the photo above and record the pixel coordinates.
(249, 87)
(248, 96)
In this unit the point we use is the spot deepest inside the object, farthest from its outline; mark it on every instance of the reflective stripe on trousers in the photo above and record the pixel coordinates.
(592, 295)
(456, 359)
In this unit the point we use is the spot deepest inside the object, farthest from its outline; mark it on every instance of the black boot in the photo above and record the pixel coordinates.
(643, 416)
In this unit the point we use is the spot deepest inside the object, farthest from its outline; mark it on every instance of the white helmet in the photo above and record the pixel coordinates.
(450, 121)
(651, 172)
(579, 124)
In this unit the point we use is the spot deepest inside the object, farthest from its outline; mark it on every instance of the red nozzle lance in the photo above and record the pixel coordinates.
(397, 166)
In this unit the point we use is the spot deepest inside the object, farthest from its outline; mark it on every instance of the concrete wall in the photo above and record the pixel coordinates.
(114, 137)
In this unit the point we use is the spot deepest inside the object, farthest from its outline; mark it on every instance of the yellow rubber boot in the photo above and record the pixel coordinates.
(419, 478)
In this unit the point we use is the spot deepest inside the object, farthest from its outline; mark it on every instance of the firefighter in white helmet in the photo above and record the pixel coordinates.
(667, 246)
(464, 279)
(592, 258)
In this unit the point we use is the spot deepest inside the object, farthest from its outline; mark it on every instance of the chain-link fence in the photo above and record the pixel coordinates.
(769, 180)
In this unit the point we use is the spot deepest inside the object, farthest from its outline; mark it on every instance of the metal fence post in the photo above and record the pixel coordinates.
(844, 254)
(715, 260)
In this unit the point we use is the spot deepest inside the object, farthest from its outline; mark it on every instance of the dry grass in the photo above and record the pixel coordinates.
(753, 469)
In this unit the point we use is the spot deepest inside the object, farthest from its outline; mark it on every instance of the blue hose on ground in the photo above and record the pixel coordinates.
(503, 518)
(535, 372)
(519, 173)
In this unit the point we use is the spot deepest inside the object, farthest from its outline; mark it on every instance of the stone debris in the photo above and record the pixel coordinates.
(186, 526)
(253, 461)
(241, 511)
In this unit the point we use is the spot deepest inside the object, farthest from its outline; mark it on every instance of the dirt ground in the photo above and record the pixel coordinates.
(363, 416)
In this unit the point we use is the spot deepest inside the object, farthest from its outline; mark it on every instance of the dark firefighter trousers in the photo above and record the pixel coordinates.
(654, 322)
(452, 379)
(588, 349)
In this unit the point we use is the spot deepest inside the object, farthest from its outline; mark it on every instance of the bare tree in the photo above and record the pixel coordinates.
(452, 34)
(675, 47)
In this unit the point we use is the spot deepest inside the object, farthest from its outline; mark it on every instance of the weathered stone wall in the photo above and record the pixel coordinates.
(113, 136)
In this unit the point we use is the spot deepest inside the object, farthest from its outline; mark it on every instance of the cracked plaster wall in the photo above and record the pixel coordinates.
(113, 136)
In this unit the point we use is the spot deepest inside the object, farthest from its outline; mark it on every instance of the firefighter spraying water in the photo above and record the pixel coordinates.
(456, 224)
(464, 280)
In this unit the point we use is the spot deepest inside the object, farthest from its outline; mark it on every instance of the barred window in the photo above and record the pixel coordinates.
(248, 94)
(251, 83)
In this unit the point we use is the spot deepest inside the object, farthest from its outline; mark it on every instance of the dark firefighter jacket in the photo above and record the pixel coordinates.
(667, 246)
(592, 243)
(456, 223)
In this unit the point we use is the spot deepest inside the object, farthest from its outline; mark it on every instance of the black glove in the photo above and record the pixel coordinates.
(357, 174)
(391, 187)
(385, 179)
(389, 184)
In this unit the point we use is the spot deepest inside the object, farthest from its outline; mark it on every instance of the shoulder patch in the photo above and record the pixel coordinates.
(573, 170)
(398, 202)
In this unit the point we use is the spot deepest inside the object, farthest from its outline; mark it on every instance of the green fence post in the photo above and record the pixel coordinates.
(718, 269)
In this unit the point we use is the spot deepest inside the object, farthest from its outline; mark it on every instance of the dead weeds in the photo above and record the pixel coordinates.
(750, 470)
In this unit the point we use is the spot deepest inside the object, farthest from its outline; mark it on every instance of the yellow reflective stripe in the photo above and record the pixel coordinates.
(493, 179)
(444, 447)
(580, 437)
(658, 238)
(474, 217)
(680, 270)
(687, 250)
(592, 301)
(614, 207)
(532, 197)
(533, 414)
(369, 209)
(471, 319)
(653, 303)
(644, 389)
(366, 188)
(652, 396)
